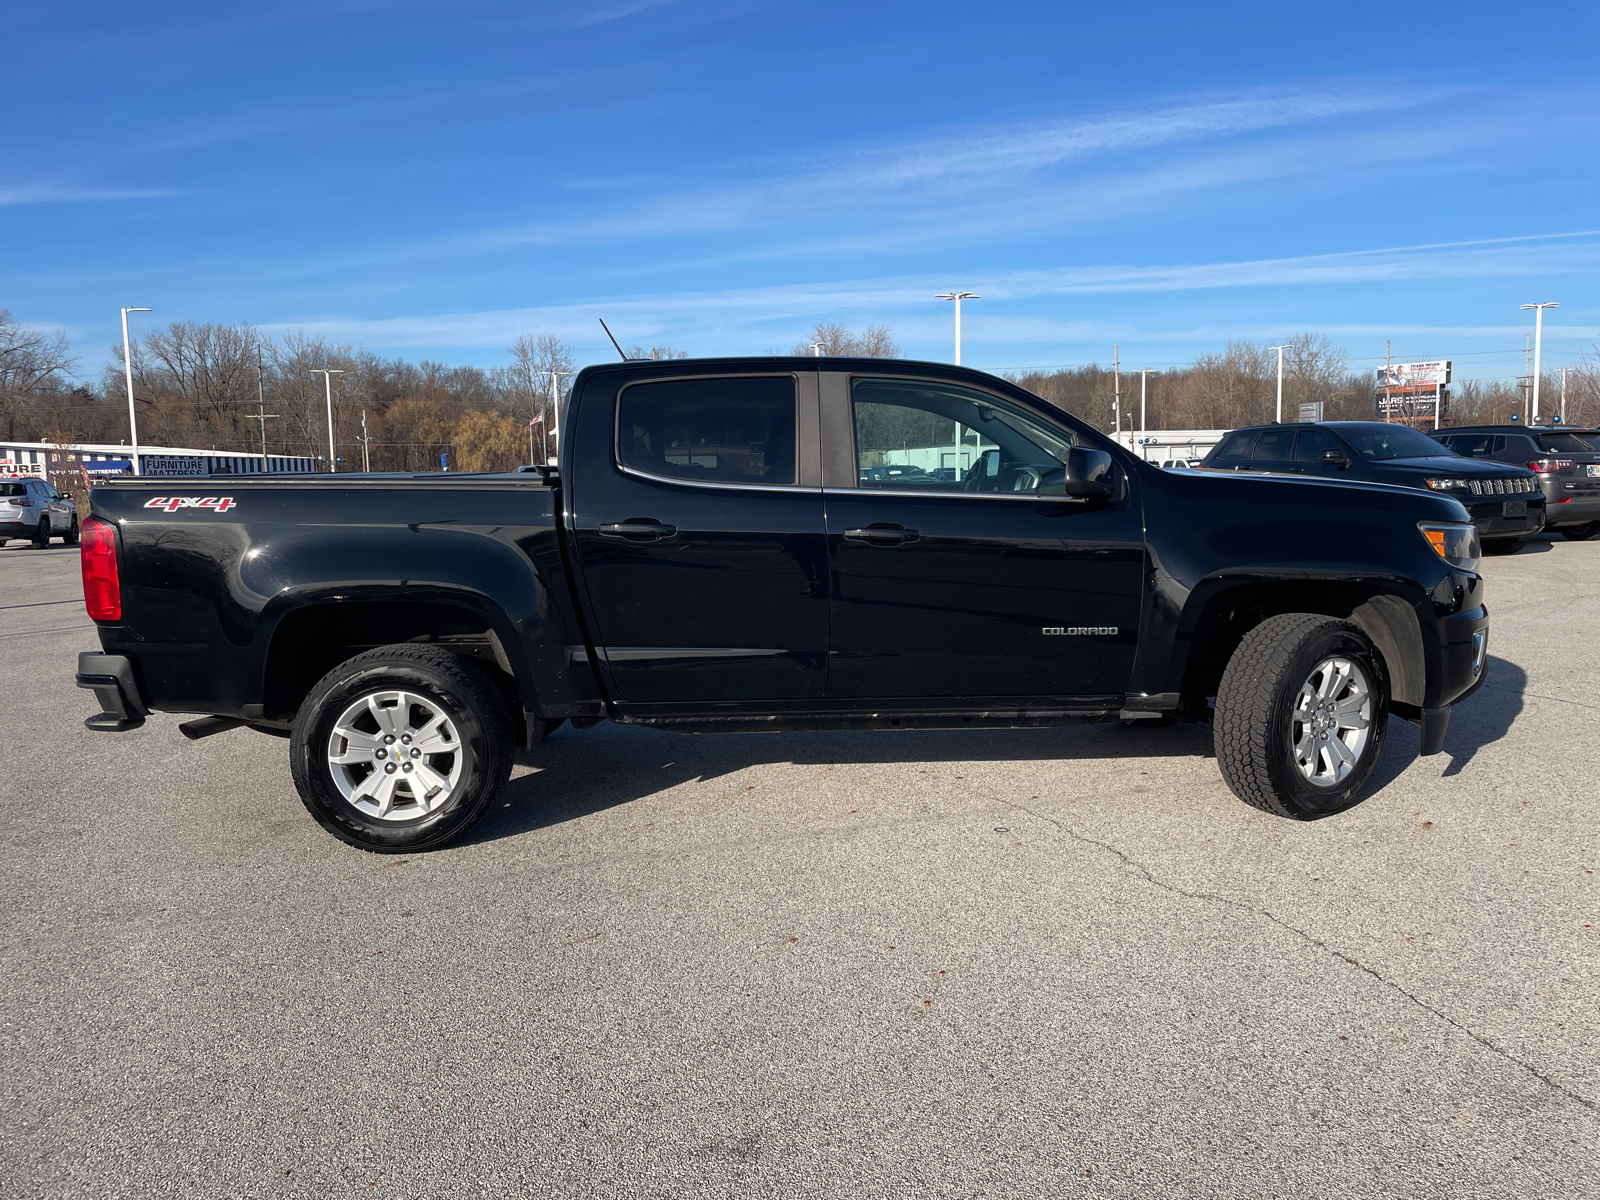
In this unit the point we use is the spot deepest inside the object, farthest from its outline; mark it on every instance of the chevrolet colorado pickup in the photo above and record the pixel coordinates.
(762, 544)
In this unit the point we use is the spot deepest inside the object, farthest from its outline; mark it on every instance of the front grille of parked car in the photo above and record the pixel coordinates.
(1502, 487)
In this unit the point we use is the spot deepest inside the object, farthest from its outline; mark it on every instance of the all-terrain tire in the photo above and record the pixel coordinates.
(1256, 715)
(444, 684)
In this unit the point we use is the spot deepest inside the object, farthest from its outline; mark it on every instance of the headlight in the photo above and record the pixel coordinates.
(1456, 544)
(1445, 485)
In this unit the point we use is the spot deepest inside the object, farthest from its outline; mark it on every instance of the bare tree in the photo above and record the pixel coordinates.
(875, 341)
(657, 352)
(31, 361)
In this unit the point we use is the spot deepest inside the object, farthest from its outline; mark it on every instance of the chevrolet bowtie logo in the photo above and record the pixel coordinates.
(1079, 631)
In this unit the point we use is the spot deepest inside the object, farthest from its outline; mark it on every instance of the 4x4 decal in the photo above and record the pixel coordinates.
(173, 503)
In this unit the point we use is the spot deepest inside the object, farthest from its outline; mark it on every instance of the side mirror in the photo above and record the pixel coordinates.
(1336, 457)
(1087, 475)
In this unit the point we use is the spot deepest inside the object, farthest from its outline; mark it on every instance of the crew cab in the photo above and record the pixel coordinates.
(762, 544)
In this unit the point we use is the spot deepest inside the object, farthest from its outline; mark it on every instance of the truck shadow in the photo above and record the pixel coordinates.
(580, 772)
(1483, 719)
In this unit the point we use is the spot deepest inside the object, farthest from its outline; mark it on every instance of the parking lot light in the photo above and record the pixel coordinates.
(127, 370)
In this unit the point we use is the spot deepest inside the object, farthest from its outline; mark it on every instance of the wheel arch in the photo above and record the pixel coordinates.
(1380, 609)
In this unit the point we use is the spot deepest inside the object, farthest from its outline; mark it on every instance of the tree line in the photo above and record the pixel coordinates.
(207, 385)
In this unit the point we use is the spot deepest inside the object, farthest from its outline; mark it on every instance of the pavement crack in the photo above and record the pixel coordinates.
(1314, 942)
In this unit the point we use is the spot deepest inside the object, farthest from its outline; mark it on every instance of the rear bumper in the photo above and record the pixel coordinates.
(111, 678)
(1572, 510)
(15, 529)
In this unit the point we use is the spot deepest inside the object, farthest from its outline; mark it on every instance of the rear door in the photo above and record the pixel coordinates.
(956, 574)
(696, 513)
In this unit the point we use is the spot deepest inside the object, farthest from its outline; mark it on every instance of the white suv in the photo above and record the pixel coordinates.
(32, 509)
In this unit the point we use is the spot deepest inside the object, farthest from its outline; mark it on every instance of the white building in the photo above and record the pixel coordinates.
(1160, 445)
(43, 458)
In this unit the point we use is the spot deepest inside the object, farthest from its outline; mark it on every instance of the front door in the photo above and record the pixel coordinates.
(957, 572)
(697, 517)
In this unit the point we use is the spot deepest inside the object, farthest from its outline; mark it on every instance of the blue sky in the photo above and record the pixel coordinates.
(430, 179)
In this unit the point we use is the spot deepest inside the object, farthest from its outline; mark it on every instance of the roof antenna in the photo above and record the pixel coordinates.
(609, 334)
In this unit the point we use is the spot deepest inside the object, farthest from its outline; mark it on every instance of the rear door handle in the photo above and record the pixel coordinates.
(882, 535)
(639, 529)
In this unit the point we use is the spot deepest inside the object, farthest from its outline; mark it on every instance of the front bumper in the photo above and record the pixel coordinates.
(111, 678)
(1501, 518)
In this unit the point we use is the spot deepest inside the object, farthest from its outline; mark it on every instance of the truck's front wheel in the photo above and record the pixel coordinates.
(401, 749)
(1301, 714)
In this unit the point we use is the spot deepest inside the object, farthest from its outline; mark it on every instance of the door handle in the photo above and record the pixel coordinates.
(639, 529)
(882, 535)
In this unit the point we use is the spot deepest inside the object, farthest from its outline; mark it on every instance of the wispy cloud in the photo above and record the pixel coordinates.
(616, 12)
(739, 314)
(55, 193)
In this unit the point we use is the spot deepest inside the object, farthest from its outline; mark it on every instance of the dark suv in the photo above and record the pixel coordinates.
(1567, 462)
(1505, 501)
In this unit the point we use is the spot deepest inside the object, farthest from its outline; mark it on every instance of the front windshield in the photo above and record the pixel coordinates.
(1376, 443)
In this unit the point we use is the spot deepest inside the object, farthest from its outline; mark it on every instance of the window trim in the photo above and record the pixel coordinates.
(715, 484)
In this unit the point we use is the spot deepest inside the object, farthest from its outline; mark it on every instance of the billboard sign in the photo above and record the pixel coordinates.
(1412, 406)
(108, 466)
(1414, 375)
(1311, 412)
(168, 465)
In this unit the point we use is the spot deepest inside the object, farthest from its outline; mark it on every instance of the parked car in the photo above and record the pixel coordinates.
(1505, 501)
(1180, 464)
(32, 509)
(768, 581)
(1567, 462)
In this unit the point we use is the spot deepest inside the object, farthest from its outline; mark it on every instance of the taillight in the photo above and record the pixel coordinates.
(102, 592)
(1549, 466)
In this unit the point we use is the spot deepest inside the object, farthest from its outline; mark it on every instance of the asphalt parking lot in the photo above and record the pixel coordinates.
(1030, 963)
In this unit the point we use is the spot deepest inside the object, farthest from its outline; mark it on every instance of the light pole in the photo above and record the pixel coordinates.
(1280, 350)
(958, 297)
(127, 368)
(1142, 373)
(1538, 339)
(327, 378)
(555, 402)
(816, 349)
(1564, 371)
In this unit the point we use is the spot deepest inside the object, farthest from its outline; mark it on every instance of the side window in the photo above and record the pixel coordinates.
(1311, 445)
(734, 430)
(1498, 447)
(940, 438)
(1273, 445)
(1472, 445)
(1235, 445)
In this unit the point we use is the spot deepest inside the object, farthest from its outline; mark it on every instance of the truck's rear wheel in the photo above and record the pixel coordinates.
(401, 749)
(1301, 715)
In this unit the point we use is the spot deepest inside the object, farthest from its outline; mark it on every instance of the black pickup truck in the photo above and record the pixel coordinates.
(767, 544)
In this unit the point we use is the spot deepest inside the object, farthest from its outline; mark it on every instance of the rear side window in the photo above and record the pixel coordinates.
(1235, 445)
(13, 489)
(1273, 445)
(1471, 445)
(1565, 443)
(1311, 445)
(710, 430)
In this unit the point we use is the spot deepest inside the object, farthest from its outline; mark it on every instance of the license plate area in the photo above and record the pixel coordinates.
(1594, 471)
(1516, 508)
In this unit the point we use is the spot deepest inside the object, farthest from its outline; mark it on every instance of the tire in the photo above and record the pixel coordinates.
(41, 533)
(1580, 533)
(466, 767)
(1259, 731)
(70, 538)
(1504, 545)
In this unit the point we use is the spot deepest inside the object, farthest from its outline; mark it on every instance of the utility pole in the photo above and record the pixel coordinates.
(127, 368)
(1388, 373)
(366, 438)
(1538, 345)
(1280, 350)
(958, 297)
(327, 377)
(261, 402)
(555, 401)
(1116, 387)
